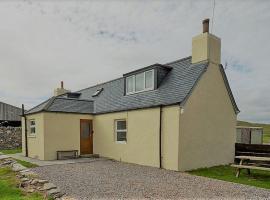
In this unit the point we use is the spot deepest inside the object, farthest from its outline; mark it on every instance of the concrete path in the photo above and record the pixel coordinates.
(2, 156)
(106, 179)
(20, 156)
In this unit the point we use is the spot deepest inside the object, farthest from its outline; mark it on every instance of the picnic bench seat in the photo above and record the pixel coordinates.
(259, 165)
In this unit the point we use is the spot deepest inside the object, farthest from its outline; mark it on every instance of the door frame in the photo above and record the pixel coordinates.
(90, 138)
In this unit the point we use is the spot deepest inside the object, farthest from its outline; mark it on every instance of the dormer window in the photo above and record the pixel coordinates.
(140, 82)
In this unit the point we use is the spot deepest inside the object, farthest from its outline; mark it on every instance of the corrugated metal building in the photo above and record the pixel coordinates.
(9, 115)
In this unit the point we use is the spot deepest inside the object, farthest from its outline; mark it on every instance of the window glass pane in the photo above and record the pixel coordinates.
(139, 79)
(121, 125)
(85, 130)
(149, 79)
(121, 136)
(32, 130)
(32, 123)
(129, 84)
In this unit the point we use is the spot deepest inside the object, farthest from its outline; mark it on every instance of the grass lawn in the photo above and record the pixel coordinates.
(26, 164)
(266, 129)
(11, 151)
(257, 178)
(8, 189)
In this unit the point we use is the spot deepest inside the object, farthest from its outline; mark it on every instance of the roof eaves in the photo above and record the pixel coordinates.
(236, 109)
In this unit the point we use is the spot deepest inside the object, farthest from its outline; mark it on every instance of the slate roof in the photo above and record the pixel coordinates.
(67, 105)
(173, 89)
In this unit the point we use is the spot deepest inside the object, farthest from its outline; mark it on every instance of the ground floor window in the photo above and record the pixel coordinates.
(32, 126)
(121, 131)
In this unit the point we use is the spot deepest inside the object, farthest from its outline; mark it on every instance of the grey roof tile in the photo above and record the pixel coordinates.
(173, 89)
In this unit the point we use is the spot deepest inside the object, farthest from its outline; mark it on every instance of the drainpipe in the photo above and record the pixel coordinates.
(25, 131)
(160, 140)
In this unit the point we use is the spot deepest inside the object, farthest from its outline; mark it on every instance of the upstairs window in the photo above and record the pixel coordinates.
(32, 127)
(140, 82)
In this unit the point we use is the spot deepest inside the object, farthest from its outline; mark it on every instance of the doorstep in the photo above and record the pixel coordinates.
(89, 156)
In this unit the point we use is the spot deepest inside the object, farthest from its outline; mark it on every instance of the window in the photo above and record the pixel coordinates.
(32, 126)
(121, 131)
(130, 84)
(97, 92)
(149, 81)
(140, 82)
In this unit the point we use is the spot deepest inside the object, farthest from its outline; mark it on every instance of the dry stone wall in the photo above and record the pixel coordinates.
(10, 137)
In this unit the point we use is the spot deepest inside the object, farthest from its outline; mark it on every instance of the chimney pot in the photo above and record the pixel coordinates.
(62, 84)
(206, 25)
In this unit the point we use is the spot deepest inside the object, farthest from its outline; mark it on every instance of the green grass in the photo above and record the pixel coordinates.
(8, 189)
(11, 151)
(26, 164)
(257, 178)
(266, 129)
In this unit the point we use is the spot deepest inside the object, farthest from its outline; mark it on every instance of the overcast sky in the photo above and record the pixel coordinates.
(89, 42)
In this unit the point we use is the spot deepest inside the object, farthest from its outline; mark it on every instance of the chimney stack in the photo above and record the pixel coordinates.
(205, 23)
(206, 46)
(61, 90)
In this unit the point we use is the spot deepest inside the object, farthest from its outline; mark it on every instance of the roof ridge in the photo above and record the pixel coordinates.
(38, 105)
(100, 84)
(10, 105)
(65, 98)
(182, 59)
(131, 71)
(51, 100)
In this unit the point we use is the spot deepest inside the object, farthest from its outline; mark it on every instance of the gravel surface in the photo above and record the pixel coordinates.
(108, 179)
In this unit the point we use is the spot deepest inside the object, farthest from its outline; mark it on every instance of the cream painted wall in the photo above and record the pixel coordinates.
(142, 145)
(206, 47)
(62, 132)
(170, 137)
(35, 142)
(208, 124)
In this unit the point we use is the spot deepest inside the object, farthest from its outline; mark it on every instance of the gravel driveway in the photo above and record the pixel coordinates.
(108, 179)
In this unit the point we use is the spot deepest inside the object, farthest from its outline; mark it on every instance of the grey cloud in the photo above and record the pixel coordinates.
(89, 42)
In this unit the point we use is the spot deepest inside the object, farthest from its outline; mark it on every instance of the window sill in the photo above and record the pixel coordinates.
(120, 142)
(145, 90)
(32, 136)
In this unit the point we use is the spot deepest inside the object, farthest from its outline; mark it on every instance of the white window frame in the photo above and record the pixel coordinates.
(144, 80)
(120, 130)
(32, 126)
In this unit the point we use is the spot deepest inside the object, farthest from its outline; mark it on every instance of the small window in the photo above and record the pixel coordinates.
(97, 92)
(121, 131)
(32, 126)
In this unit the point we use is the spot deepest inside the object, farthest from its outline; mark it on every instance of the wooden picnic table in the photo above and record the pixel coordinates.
(245, 163)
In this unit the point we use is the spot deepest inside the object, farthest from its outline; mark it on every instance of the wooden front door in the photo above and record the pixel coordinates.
(86, 135)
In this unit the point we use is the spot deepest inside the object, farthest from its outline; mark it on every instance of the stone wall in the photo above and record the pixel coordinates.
(10, 137)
